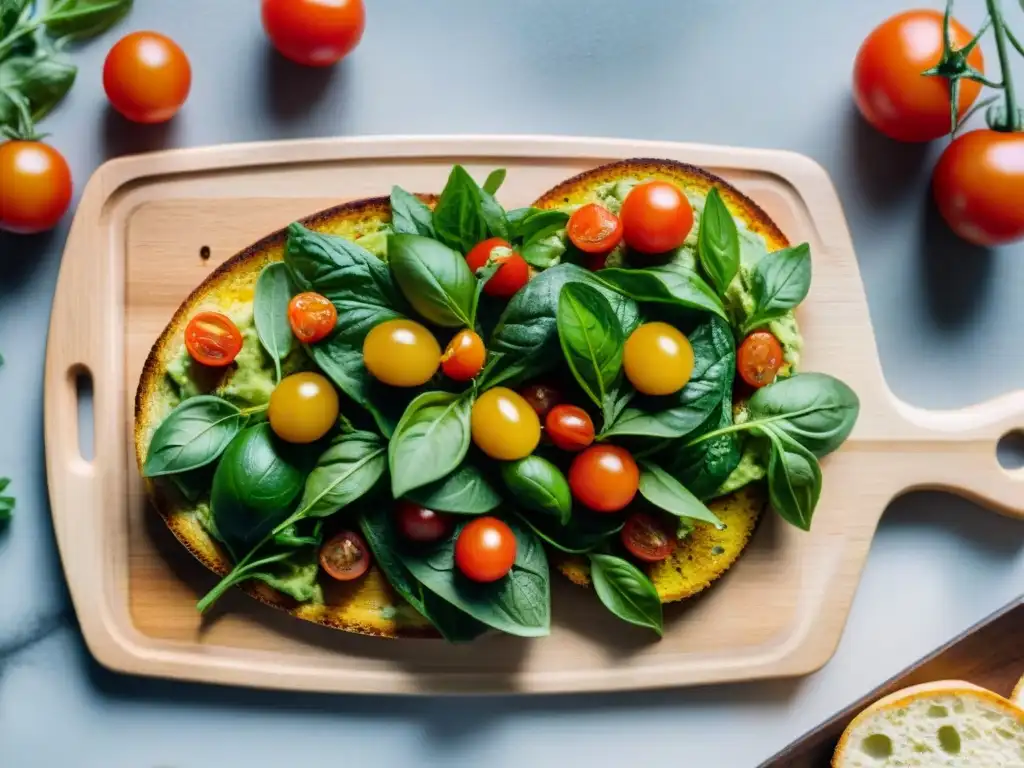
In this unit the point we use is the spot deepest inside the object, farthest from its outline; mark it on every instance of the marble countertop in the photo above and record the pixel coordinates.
(737, 72)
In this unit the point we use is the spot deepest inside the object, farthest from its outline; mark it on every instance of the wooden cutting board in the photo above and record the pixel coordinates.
(989, 654)
(150, 228)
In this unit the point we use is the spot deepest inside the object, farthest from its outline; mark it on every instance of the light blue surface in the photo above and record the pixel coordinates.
(725, 71)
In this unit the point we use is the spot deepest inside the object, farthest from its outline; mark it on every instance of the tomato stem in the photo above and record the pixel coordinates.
(1013, 118)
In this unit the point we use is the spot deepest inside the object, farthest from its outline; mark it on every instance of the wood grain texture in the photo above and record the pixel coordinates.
(988, 654)
(133, 255)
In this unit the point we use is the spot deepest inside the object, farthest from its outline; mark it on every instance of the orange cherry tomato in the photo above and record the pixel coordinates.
(656, 217)
(422, 525)
(464, 356)
(35, 186)
(312, 317)
(541, 397)
(605, 478)
(569, 427)
(345, 556)
(979, 186)
(316, 33)
(657, 359)
(485, 549)
(594, 229)
(513, 273)
(401, 353)
(147, 77)
(213, 339)
(759, 358)
(647, 538)
(503, 425)
(303, 407)
(888, 86)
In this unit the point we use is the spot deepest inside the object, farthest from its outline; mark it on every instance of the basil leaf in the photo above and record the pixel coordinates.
(270, 313)
(193, 435)
(494, 181)
(6, 502)
(340, 358)
(10, 14)
(541, 223)
(779, 282)
(435, 279)
(669, 284)
(794, 478)
(667, 493)
(718, 242)
(519, 603)
(462, 492)
(430, 441)
(79, 19)
(409, 214)
(538, 485)
(34, 84)
(344, 473)
(296, 575)
(458, 217)
(585, 531)
(516, 219)
(626, 591)
(705, 466)
(591, 340)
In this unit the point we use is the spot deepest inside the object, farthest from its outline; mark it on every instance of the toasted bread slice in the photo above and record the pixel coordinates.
(947, 723)
(367, 606)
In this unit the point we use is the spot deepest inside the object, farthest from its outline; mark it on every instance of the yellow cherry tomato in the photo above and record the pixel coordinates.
(303, 407)
(504, 425)
(401, 353)
(658, 359)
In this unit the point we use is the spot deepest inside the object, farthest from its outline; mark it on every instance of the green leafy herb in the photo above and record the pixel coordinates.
(193, 435)
(794, 478)
(669, 284)
(494, 181)
(270, 313)
(780, 281)
(292, 537)
(345, 472)
(296, 575)
(585, 531)
(591, 340)
(410, 215)
(11, 12)
(626, 591)
(718, 242)
(32, 85)
(435, 279)
(703, 467)
(667, 493)
(431, 440)
(458, 217)
(462, 492)
(78, 19)
(538, 485)
(6, 502)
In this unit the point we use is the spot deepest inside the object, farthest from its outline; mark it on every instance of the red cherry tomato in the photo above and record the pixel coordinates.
(569, 427)
(594, 229)
(312, 317)
(345, 556)
(35, 186)
(464, 356)
(541, 397)
(485, 549)
(647, 538)
(759, 358)
(513, 273)
(979, 186)
(888, 86)
(656, 217)
(420, 524)
(316, 33)
(213, 339)
(147, 77)
(604, 478)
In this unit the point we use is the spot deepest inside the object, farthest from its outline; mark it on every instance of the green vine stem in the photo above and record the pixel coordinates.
(1012, 120)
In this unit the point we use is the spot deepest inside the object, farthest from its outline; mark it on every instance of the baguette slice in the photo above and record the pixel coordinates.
(948, 723)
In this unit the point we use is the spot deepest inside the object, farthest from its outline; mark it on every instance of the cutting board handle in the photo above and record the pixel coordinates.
(956, 451)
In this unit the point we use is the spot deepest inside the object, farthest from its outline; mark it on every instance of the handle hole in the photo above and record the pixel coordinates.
(1010, 450)
(84, 401)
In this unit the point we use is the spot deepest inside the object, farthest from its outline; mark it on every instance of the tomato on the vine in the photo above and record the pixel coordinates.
(419, 524)
(656, 217)
(35, 186)
(464, 356)
(303, 407)
(513, 273)
(647, 538)
(345, 556)
(604, 478)
(979, 186)
(316, 33)
(147, 77)
(312, 317)
(485, 549)
(541, 397)
(503, 425)
(401, 353)
(569, 427)
(594, 229)
(759, 358)
(657, 359)
(213, 339)
(889, 87)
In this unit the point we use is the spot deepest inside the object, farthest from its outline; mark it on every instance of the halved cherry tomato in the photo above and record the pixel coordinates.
(647, 538)
(213, 339)
(541, 397)
(464, 356)
(316, 33)
(147, 77)
(503, 425)
(513, 273)
(759, 358)
(569, 427)
(35, 186)
(485, 549)
(656, 217)
(594, 229)
(303, 407)
(657, 359)
(312, 317)
(345, 556)
(401, 353)
(420, 524)
(604, 478)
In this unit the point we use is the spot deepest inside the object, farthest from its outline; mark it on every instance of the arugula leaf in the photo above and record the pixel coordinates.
(409, 214)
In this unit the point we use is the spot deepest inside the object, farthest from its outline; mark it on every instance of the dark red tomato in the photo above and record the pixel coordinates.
(316, 33)
(656, 217)
(35, 186)
(513, 273)
(147, 77)
(647, 538)
(759, 358)
(345, 556)
(979, 186)
(485, 549)
(312, 317)
(213, 339)
(594, 229)
(569, 427)
(541, 397)
(420, 524)
(888, 86)
(464, 356)
(605, 478)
